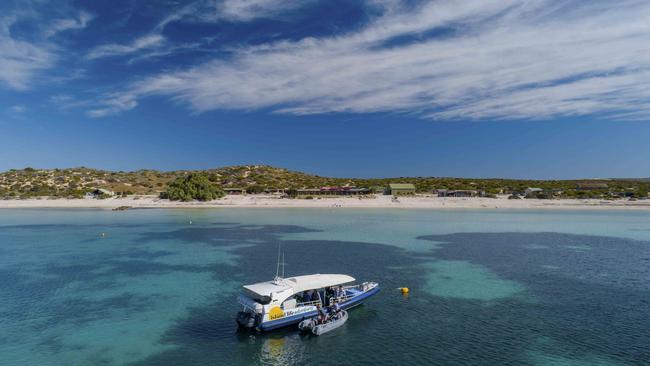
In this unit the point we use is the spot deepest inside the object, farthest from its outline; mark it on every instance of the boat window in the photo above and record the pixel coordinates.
(289, 304)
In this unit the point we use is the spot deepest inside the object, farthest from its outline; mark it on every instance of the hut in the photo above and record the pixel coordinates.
(100, 193)
(333, 191)
(400, 189)
(233, 191)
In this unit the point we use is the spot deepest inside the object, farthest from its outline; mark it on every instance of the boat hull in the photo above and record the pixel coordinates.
(283, 322)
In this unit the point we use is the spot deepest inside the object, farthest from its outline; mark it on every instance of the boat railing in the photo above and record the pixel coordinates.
(343, 298)
(309, 303)
(365, 286)
(340, 298)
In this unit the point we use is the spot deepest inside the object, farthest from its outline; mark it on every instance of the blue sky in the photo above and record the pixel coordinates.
(473, 88)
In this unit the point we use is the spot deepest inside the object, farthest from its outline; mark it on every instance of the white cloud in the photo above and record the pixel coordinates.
(112, 105)
(231, 10)
(491, 59)
(62, 25)
(61, 98)
(245, 10)
(18, 108)
(143, 43)
(205, 11)
(20, 60)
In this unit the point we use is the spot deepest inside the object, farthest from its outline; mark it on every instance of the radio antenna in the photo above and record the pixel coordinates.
(277, 267)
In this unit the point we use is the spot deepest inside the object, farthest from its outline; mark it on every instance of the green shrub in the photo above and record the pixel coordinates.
(194, 186)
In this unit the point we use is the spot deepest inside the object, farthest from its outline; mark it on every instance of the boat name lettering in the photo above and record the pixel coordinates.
(277, 313)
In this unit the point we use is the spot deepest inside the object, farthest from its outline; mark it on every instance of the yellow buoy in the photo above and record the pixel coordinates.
(405, 290)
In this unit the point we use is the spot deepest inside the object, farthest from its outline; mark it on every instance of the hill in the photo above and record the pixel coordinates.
(75, 182)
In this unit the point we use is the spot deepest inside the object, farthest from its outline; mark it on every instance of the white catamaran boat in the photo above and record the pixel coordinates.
(285, 301)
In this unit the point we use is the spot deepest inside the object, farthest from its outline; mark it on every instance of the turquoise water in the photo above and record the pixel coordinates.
(487, 287)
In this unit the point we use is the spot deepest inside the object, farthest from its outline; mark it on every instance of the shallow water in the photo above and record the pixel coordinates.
(487, 287)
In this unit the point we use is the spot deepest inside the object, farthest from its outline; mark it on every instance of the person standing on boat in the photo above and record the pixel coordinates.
(329, 293)
(313, 295)
(336, 310)
(322, 314)
(339, 292)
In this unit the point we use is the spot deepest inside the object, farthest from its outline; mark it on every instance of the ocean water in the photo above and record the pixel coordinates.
(487, 287)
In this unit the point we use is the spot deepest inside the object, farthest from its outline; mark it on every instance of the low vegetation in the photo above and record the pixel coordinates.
(76, 182)
(193, 186)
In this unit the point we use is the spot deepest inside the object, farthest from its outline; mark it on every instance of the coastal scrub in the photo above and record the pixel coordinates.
(193, 186)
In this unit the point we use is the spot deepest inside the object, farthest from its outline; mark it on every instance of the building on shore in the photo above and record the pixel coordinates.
(622, 194)
(542, 193)
(459, 193)
(100, 192)
(275, 191)
(234, 191)
(401, 189)
(532, 190)
(333, 191)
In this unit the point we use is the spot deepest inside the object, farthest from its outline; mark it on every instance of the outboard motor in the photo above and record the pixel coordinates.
(245, 319)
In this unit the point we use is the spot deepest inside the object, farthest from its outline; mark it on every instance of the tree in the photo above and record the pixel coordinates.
(193, 186)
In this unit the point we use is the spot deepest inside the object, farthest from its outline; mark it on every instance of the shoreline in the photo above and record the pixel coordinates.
(266, 201)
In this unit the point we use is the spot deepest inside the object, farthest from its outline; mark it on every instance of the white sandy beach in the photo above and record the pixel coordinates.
(419, 202)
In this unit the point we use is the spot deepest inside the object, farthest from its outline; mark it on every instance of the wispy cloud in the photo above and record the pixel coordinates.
(207, 11)
(19, 108)
(230, 10)
(143, 43)
(113, 104)
(245, 10)
(445, 59)
(20, 60)
(62, 25)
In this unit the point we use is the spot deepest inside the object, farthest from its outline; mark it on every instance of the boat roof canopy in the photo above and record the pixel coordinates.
(298, 283)
(265, 290)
